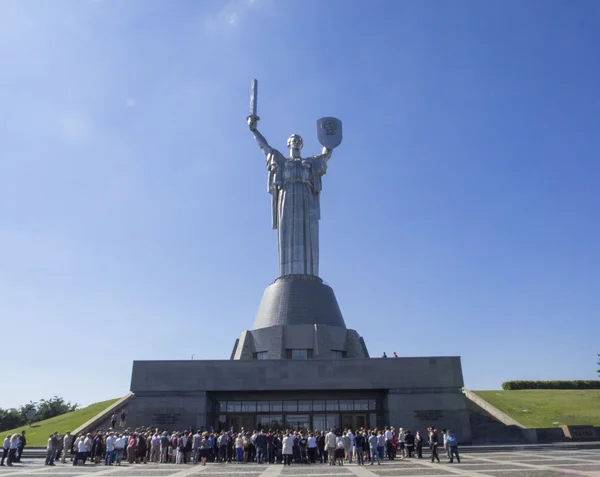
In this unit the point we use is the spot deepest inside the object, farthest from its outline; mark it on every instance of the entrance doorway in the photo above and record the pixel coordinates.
(239, 421)
(354, 421)
(297, 422)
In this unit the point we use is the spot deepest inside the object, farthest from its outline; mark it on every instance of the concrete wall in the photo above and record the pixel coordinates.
(418, 411)
(419, 374)
(419, 391)
(320, 339)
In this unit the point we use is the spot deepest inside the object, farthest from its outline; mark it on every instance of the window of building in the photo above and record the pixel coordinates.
(299, 354)
(234, 406)
(222, 406)
(372, 405)
(318, 405)
(338, 354)
(361, 405)
(262, 406)
(261, 355)
(333, 406)
(304, 406)
(276, 406)
(290, 406)
(347, 405)
(249, 406)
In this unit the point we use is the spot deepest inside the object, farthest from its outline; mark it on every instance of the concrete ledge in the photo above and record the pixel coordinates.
(494, 411)
(101, 416)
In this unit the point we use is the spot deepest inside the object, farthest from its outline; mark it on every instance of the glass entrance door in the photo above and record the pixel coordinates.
(354, 421)
(297, 422)
(237, 422)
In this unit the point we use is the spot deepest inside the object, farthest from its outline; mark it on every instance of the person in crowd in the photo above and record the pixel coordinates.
(409, 440)
(419, 445)
(350, 451)
(59, 447)
(132, 448)
(288, 449)
(164, 447)
(340, 452)
(5, 448)
(260, 442)
(321, 447)
(381, 444)
(359, 445)
(388, 442)
(113, 420)
(311, 444)
(204, 448)
(81, 454)
(50, 450)
(120, 445)
(123, 417)
(155, 448)
(433, 444)
(330, 441)
(239, 449)
(196, 447)
(303, 445)
(21, 445)
(452, 446)
(109, 458)
(445, 444)
(373, 447)
(222, 444)
(88, 441)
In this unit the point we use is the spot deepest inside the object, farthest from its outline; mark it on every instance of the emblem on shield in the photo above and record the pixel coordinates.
(329, 132)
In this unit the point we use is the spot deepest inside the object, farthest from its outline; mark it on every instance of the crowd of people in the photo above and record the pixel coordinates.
(335, 447)
(12, 448)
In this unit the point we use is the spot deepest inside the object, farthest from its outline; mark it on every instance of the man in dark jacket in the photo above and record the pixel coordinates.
(260, 441)
(409, 439)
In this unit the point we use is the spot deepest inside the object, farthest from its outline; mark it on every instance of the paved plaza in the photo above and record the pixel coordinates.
(547, 463)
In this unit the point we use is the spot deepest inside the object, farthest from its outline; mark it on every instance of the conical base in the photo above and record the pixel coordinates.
(299, 318)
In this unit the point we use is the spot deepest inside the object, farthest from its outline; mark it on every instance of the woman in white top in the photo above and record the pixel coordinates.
(239, 449)
(12, 451)
(81, 452)
(287, 449)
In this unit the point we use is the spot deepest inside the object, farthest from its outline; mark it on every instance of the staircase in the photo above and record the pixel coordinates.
(486, 429)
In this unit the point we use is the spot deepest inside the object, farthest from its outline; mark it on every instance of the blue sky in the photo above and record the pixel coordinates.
(459, 215)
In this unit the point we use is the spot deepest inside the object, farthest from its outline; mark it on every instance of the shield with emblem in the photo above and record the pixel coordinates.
(329, 132)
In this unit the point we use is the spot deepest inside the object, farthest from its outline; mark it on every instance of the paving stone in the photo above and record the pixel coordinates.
(532, 473)
(412, 472)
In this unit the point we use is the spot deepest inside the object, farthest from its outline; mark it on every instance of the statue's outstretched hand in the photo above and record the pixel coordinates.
(252, 122)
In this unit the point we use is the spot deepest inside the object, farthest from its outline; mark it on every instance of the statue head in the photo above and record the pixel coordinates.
(295, 142)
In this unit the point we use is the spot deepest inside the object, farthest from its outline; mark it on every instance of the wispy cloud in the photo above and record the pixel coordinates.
(232, 13)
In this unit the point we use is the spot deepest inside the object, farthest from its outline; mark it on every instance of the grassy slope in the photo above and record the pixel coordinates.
(545, 407)
(39, 433)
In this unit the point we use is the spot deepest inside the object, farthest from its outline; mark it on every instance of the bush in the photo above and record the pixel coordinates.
(517, 385)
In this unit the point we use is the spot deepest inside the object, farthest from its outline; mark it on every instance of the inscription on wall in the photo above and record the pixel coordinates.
(430, 415)
(164, 418)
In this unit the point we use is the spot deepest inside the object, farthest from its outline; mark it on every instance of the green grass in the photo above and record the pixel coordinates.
(546, 408)
(38, 434)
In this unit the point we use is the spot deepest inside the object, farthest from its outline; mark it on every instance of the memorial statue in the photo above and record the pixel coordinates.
(295, 185)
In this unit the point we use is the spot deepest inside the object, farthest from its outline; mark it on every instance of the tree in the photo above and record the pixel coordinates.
(53, 407)
(9, 419)
(598, 364)
(45, 409)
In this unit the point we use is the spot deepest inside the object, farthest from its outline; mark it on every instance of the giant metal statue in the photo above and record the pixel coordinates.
(295, 184)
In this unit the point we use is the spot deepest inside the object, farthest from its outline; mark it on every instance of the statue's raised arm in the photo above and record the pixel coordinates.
(253, 120)
(260, 139)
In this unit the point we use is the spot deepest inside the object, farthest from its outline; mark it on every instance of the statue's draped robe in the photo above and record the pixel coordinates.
(296, 210)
